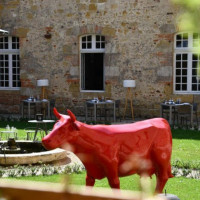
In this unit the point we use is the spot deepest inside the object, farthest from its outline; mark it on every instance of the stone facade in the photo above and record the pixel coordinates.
(139, 45)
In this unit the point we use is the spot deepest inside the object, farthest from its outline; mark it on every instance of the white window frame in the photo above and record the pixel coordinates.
(10, 52)
(189, 50)
(93, 49)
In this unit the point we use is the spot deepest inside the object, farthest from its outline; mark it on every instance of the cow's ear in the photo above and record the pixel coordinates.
(72, 116)
(56, 113)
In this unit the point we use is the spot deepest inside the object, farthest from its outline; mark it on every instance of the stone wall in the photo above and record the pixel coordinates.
(139, 45)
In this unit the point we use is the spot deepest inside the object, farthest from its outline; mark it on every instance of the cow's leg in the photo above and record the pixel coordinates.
(160, 184)
(161, 179)
(90, 181)
(114, 182)
(112, 176)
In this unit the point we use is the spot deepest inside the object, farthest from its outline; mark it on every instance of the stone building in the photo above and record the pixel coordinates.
(86, 48)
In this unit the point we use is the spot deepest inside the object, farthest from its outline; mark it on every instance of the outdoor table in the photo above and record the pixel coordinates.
(95, 103)
(39, 124)
(174, 105)
(35, 102)
(8, 133)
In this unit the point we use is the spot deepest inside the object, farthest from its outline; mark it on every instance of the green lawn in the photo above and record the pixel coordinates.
(186, 143)
(184, 188)
(186, 148)
(186, 153)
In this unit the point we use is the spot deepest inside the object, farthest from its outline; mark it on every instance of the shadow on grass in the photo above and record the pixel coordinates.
(20, 124)
(186, 134)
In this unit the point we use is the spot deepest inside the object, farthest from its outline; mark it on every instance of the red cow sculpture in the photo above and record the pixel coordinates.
(115, 151)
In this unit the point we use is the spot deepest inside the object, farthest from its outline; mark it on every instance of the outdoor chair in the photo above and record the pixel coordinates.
(109, 110)
(52, 105)
(195, 113)
(33, 109)
(184, 115)
(30, 132)
(90, 111)
(165, 113)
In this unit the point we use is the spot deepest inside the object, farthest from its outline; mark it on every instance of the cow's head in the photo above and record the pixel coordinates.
(65, 130)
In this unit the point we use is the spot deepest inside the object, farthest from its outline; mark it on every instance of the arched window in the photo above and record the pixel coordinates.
(92, 48)
(9, 63)
(186, 62)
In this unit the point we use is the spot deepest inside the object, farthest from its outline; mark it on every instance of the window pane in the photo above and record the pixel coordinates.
(14, 46)
(195, 35)
(98, 45)
(194, 72)
(194, 79)
(178, 64)
(178, 79)
(184, 56)
(194, 87)
(184, 79)
(185, 43)
(184, 87)
(89, 45)
(178, 87)
(184, 64)
(178, 43)
(194, 64)
(83, 39)
(178, 56)
(178, 37)
(83, 45)
(178, 72)
(97, 38)
(194, 57)
(184, 72)
(89, 38)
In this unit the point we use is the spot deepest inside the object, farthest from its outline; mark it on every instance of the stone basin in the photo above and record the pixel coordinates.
(36, 154)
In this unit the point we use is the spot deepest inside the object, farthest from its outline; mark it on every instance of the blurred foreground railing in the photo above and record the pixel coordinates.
(25, 190)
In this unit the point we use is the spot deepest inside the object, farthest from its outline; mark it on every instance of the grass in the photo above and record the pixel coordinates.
(186, 148)
(185, 154)
(184, 188)
(21, 125)
(186, 143)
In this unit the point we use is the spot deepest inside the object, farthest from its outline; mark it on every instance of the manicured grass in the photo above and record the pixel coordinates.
(20, 126)
(186, 143)
(184, 188)
(186, 148)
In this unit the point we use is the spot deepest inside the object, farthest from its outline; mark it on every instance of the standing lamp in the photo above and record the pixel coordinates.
(43, 83)
(129, 95)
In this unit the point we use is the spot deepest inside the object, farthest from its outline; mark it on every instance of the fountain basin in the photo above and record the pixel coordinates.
(35, 154)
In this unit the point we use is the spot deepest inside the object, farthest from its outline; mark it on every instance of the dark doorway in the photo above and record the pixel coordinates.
(92, 71)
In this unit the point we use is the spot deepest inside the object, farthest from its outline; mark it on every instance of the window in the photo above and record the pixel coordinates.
(9, 63)
(186, 62)
(92, 48)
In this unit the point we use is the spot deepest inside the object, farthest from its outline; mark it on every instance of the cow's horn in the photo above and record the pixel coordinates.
(56, 113)
(72, 116)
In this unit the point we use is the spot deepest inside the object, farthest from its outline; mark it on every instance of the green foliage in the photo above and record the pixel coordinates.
(189, 16)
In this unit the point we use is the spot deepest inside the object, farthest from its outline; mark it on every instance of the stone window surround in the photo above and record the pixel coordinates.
(185, 48)
(10, 51)
(92, 49)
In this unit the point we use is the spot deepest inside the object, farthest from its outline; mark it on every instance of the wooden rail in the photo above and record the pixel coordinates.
(26, 190)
